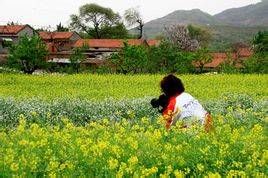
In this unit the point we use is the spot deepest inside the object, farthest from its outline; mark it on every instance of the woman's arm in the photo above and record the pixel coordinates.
(170, 112)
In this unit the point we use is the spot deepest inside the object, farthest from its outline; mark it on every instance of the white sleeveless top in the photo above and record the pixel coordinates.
(187, 108)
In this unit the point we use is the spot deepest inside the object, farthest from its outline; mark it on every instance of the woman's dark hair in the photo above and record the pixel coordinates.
(160, 103)
(171, 85)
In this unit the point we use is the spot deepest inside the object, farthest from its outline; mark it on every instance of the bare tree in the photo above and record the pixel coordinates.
(179, 36)
(133, 17)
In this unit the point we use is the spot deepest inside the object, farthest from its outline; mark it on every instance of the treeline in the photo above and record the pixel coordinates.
(185, 50)
(98, 22)
(183, 54)
(168, 58)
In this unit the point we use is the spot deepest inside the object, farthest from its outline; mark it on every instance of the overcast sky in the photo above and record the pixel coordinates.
(39, 13)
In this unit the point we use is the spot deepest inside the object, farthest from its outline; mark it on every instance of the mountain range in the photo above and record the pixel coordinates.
(230, 26)
(251, 15)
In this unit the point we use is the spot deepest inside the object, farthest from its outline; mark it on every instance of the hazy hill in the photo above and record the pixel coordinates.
(252, 15)
(225, 36)
(194, 16)
(230, 26)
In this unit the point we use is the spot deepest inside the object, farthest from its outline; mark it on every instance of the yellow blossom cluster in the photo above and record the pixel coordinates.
(127, 149)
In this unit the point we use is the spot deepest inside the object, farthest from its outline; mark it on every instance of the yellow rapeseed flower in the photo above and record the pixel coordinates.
(133, 160)
(113, 163)
(179, 174)
(200, 167)
(14, 167)
(148, 172)
(23, 142)
(213, 175)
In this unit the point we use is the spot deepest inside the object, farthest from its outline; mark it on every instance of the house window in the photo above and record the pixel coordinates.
(7, 42)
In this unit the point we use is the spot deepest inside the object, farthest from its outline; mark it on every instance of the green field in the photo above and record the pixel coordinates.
(104, 126)
(99, 87)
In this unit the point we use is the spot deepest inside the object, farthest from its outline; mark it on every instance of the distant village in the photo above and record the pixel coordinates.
(61, 44)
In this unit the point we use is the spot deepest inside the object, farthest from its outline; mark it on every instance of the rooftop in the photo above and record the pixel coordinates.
(11, 29)
(112, 43)
(55, 35)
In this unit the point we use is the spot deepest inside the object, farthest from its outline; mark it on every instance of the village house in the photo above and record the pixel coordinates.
(9, 34)
(59, 41)
(99, 49)
(59, 45)
(237, 57)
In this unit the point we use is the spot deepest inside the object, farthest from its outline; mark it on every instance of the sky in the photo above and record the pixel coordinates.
(45, 13)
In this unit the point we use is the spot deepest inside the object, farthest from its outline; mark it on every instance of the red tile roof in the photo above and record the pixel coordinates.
(55, 35)
(153, 42)
(110, 43)
(11, 29)
(244, 52)
(219, 58)
(105, 43)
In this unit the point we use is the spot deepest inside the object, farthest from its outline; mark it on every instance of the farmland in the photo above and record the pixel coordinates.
(99, 87)
(103, 126)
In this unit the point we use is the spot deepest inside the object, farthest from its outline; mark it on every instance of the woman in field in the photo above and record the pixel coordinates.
(178, 105)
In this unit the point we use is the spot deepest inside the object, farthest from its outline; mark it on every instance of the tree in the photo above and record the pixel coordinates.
(188, 38)
(260, 42)
(131, 59)
(76, 58)
(163, 57)
(13, 23)
(28, 55)
(168, 58)
(202, 57)
(119, 31)
(41, 29)
(133, 17)
(174, 60)
(258, 63)
(202, 35)
(179, 36)
(61, 28)
(230, 65)
(92, 19)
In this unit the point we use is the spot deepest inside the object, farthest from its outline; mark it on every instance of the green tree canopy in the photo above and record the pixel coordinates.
(77, 57)
(202, 57)
(260, 42)
(165, 58)
(61, 28)
(130, 59)
(28, 55)
(202, 35)
(168, 58)
(95, 20)
(258, 63)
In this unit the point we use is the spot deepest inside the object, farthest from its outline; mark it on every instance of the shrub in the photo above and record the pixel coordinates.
(256, 64)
